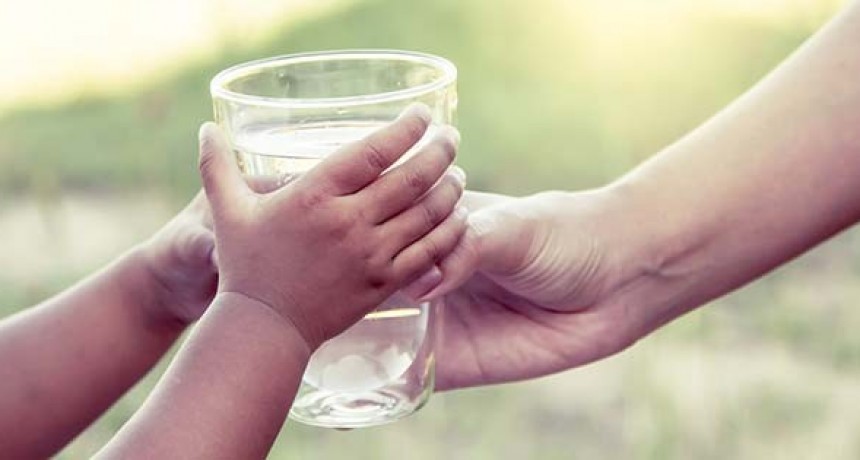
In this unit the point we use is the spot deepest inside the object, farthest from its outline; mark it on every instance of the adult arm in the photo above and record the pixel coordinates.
(565, 278)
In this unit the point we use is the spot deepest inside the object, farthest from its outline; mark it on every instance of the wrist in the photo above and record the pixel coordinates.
(253, 307)
(231, 384)
(659, 252)
(147, 292)
(663, 228)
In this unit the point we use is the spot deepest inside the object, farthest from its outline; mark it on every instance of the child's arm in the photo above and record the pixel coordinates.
(297, 266)
(68, 359)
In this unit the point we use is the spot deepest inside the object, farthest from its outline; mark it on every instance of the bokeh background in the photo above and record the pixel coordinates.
(99, 109)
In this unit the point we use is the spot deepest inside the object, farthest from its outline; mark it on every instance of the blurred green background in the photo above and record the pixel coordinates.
(98, 149)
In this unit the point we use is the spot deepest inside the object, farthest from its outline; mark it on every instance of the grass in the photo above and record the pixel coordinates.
(550, 97)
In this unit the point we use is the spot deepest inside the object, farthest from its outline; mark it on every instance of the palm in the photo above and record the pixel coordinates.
(491, 335)
(513, 325)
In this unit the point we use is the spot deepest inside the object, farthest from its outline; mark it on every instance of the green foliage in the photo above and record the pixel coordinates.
(544, 102)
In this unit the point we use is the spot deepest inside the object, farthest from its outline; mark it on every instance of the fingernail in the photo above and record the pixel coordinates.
(430, 294)
(451, 133)
(417, 109)
(459, 174)
(456, 133)
(461, 212)
(424, 283)
(204, 133)
(209, 134)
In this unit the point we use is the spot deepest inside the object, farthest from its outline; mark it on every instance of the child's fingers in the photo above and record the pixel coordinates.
(263, 184)
(398, 188)
(423, 284)
(455, 268)
(433, 208)
(482, 232)
(221, 178)
(420, 256)
(355, 165)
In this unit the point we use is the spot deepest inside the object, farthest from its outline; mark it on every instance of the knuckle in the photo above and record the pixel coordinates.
(376, 281)
(428, 252)
(367, 255)
(414, 128)
(374, 155)
(339, 225)
(379, 279)
(432, 214)
(337, 232)
(455, 189)
(206, 162)
(311, 199)
(343, 222)
(414, 180)
(448, 147)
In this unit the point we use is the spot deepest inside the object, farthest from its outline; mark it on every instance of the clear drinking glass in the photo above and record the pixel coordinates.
(282, 115)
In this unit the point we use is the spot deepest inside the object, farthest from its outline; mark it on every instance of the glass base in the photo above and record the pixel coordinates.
(354, 410)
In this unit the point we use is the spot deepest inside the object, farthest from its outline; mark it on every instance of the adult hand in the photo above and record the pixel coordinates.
(542, 290)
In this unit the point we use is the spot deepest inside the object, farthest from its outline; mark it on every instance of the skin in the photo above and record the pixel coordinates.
(538, 285)
(363, 233)
(66, 360)
(559, 279)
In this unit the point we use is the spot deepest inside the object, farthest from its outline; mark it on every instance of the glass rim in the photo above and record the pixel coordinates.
(218, 89)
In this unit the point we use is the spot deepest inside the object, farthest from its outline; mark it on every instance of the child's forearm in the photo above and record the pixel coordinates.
(68, 359)
(227, 392)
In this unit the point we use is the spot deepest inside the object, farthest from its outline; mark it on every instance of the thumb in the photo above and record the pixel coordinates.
(491, 244)
(198, 250)
(503, 239)
(221, 178)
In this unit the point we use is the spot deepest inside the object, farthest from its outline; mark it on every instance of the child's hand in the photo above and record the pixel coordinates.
(179, 261)
(327, 247)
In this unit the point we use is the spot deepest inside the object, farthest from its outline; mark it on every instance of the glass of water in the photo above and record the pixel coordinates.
(282, 115)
